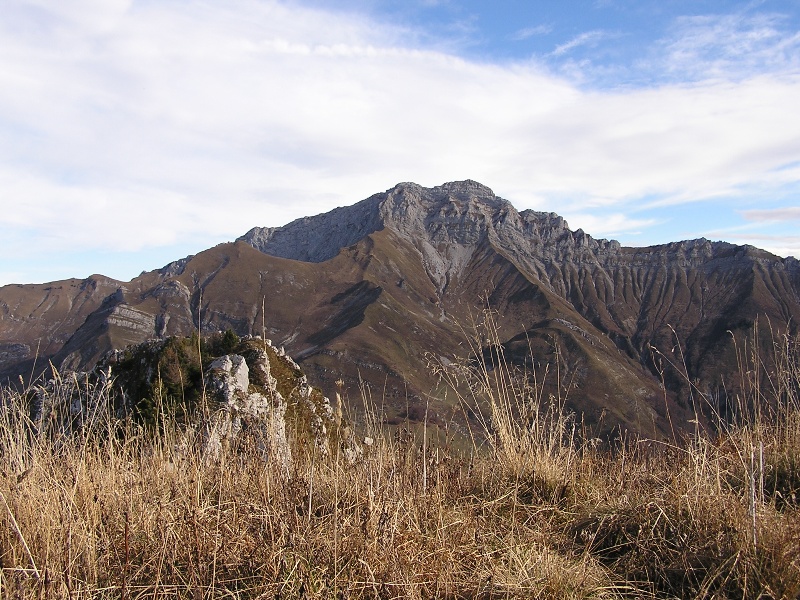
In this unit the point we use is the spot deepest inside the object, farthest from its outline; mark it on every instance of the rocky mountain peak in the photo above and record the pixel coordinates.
(459, 212)
(446, 223)
(408, 208)
(467, 190)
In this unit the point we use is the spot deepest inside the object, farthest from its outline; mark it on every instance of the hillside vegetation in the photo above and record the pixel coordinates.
(127, 505)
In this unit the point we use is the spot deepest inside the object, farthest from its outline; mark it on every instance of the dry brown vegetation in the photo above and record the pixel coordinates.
(537, 511)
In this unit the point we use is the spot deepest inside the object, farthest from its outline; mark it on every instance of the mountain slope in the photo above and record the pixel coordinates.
(373, 293)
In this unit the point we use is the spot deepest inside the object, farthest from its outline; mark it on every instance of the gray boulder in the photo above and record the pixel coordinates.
(241, 413)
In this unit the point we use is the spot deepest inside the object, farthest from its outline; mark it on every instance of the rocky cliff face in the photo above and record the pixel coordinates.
(445, 224)
(371, 292)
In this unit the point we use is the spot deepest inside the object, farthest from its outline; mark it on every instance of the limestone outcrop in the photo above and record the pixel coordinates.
(245, 412)
(252, 400)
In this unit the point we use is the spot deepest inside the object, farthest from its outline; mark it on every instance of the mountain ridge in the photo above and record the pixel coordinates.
(364, 293)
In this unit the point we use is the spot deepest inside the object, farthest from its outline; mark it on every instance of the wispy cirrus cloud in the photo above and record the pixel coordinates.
(587, 38)
(529, 32)
(726, 45)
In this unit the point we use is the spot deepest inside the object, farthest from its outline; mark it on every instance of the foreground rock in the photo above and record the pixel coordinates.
(243, 397)
(243, 413)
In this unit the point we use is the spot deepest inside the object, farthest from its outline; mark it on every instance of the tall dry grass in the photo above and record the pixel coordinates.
(99, 508)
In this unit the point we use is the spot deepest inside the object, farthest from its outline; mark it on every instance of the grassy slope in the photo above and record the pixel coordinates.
(538, 513)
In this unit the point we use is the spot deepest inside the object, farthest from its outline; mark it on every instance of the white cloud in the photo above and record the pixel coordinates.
(529, 32)
(131, 125)
(773, 215)
(779, 245)
(588, 38)
(612, 225)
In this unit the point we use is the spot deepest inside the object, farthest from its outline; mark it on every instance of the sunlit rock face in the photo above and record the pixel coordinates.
(245, 411)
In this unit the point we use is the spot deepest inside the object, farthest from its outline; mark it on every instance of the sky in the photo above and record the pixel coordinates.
(136, 132)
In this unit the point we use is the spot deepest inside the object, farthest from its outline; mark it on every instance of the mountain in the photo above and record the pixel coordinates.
(379, 293)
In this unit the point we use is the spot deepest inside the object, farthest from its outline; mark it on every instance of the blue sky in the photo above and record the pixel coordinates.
(135, 132)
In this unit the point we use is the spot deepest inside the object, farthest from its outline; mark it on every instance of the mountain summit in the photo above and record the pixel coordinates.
(446, 224)
(455, 213)
(373, 293)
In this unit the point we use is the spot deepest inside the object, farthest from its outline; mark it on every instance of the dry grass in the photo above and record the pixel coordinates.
(106, 510)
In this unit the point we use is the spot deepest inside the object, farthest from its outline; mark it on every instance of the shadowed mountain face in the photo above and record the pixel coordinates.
(375, 292)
